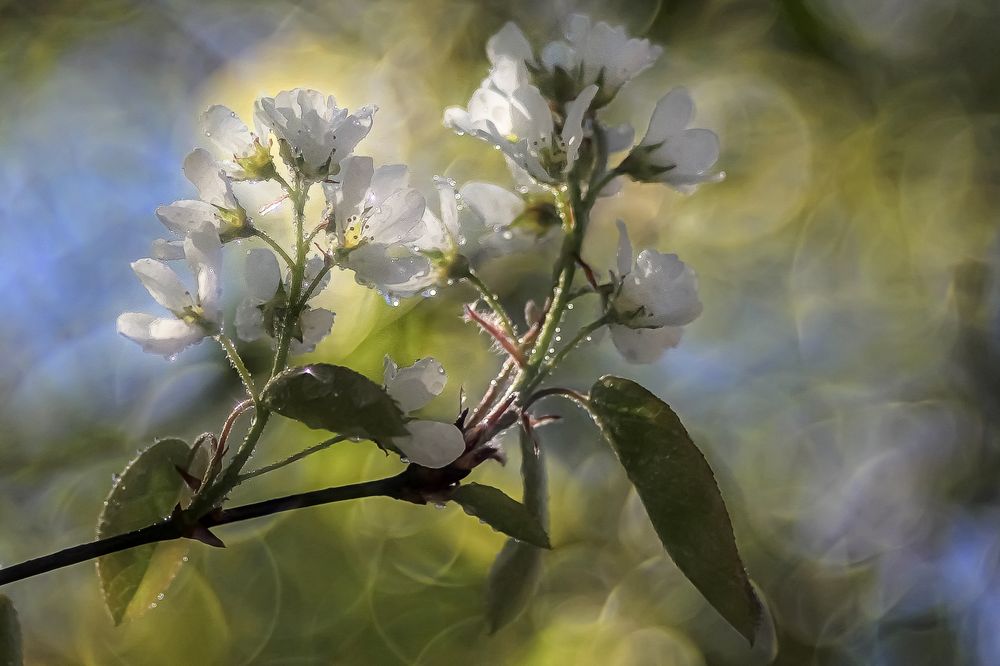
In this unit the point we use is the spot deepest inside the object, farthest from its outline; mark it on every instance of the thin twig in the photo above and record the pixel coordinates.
(315, 448)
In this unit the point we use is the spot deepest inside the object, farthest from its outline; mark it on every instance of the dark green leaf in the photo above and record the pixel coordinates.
(501, 512)
(10, 634)
(146, 492)
(335, 398)
(682, 499)
(512, 583)
(515, 573)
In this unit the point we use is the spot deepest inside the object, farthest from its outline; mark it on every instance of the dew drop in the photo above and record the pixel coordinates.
(558, 338)
(569, 306)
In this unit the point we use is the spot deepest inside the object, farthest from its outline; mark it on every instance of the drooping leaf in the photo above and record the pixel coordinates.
(502, 513)
(517, 569)
(10, 634)
(335, 398)
(680, 494)
(146, 492)
(512, 583)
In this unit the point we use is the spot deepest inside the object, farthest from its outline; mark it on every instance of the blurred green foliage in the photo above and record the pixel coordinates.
(842, 380)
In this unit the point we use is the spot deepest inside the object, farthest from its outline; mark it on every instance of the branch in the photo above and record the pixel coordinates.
(400, 486)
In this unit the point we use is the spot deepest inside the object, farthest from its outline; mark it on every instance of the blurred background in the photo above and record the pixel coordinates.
(843, 380)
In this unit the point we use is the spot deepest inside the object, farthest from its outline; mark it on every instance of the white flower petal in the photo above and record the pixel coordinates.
(664, 287)
(509, 42)
(203, 251)
(431, 443)
(316, 324)
(449, 208)
(495, 206)
(619, 137)
(394, 219)
(558, 54)
(692, 152)
(391, 268)
(163, 284)
(167, 250)
(672, 114)
(531, 118)
(389, 178)
(644, 345)
(183, 217)
(249, 320)
(262, 274)
(159, 335)
(314, 265)
(222, 126)
(572, 134)
(414, 386)
(209, 178)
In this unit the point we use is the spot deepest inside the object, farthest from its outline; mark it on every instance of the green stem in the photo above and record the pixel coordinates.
(212, 495)
(315, 448)
(264, 236)
(295, 289)
(494, 302)
(239, 365)
(313, 285)
(549, 365)
(575, 214)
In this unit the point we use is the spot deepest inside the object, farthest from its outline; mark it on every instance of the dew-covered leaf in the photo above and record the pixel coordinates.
(335, 398)
(680, 494)
(502, 513)
(146, 492)
(10, 634)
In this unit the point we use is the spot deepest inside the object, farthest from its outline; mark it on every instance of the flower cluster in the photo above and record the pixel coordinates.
(539, 108)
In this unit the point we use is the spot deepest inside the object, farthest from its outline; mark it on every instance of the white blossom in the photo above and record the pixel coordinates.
(656, 295)
(596, 53)
(194, 316)
(318, 133)
(216, 206)
(429, 443)
(244, 155)
(263, 309)
(670, 152)
(507, 224)
(377, 224)
(510, 113)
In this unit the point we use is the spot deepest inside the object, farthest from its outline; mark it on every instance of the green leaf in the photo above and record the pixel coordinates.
(335, 398)
(512, 583)
(10, 634)
(501, 512)
(145, 493)
(517, 569)
(682, 499)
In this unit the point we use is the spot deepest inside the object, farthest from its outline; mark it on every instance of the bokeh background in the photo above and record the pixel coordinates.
(843, 380)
